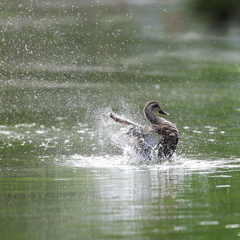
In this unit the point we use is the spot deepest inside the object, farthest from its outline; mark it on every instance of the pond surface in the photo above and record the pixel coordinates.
(65, 172)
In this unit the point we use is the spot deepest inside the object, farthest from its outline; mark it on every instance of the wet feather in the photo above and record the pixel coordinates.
(160, 139)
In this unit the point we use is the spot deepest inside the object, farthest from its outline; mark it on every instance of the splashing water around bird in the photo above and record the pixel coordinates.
(157, 141)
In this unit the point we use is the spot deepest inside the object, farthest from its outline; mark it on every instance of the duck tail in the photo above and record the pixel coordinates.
(121, 121)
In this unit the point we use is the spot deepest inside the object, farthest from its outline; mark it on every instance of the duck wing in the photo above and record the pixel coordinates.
(145, 133)
(121, 121)
(151, 139)
(162, 140)
(136, 130)
(140, 133)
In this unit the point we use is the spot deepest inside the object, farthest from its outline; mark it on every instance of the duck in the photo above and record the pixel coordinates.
(157, 140)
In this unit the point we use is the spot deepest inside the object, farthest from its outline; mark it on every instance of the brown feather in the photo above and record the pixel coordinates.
(146, 143)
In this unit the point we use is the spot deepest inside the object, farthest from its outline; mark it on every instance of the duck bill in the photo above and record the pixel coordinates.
(164, 113)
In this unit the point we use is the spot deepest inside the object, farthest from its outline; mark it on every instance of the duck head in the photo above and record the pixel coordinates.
(151, 110)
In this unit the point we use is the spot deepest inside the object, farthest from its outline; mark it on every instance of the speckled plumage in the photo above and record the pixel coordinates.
(159, 139)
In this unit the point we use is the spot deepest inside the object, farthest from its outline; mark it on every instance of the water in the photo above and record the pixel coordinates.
(65, 171)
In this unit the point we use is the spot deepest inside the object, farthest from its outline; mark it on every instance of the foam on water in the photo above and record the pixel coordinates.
(179, 165)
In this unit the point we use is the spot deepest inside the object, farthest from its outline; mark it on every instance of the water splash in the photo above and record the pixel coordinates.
(180, 165)
(119, 153)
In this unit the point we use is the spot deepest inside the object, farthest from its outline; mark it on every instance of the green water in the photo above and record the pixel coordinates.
(64, 173)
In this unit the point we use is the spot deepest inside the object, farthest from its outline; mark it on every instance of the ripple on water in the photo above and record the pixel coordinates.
(207, 223)
(232, 226)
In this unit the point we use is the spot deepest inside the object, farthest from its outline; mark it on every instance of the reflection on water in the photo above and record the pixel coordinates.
(102, 196)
